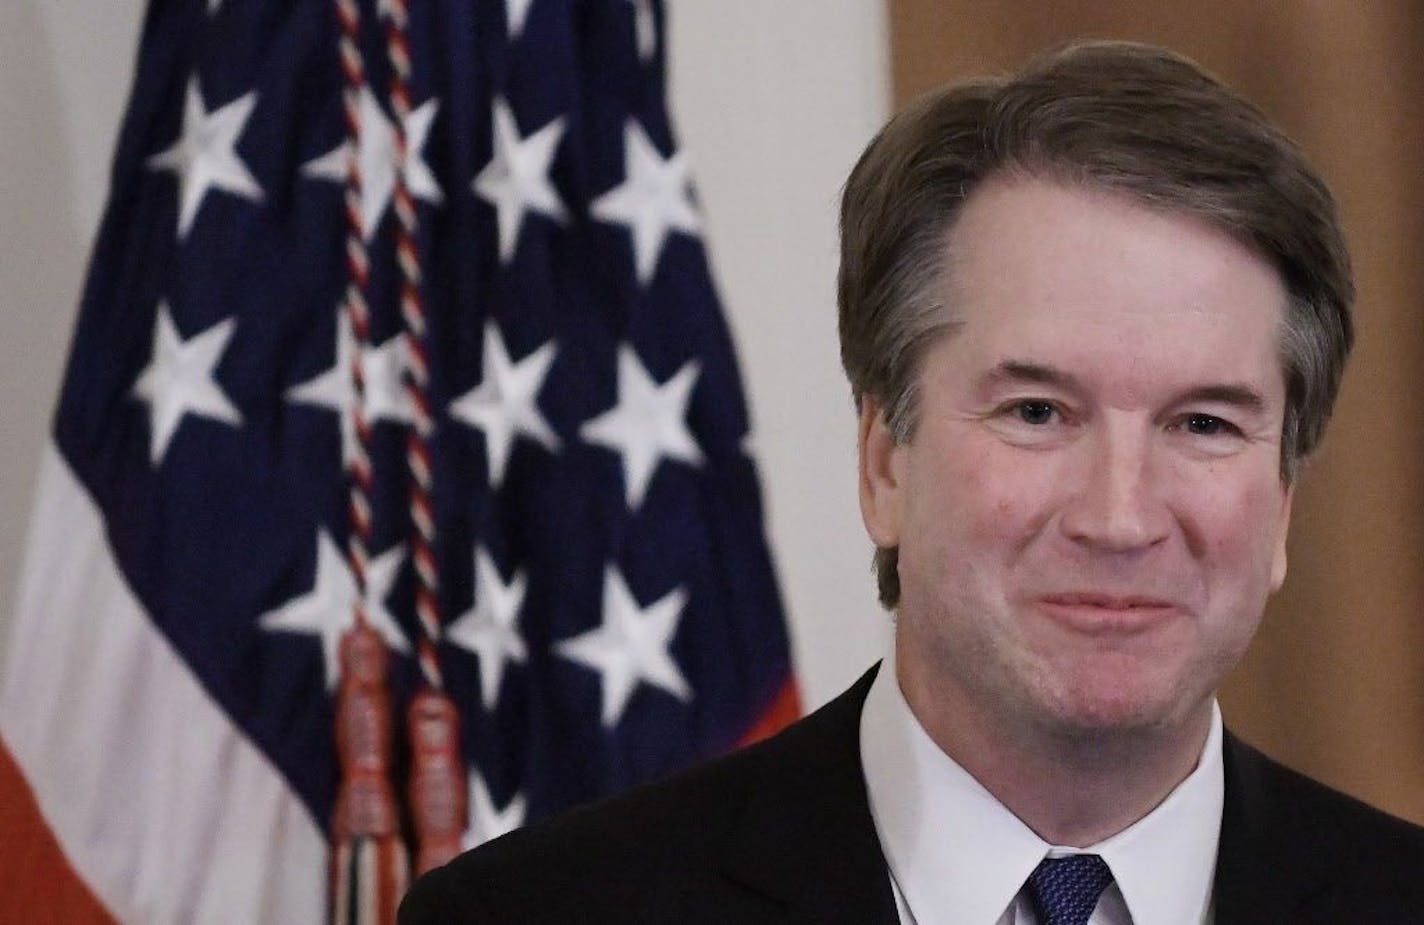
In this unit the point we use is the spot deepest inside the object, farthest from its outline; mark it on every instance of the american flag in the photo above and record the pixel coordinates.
(609, 607)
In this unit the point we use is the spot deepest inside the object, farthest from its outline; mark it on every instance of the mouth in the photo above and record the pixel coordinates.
(1098, 613)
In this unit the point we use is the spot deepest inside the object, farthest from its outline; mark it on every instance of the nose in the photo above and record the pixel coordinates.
(1115, 505)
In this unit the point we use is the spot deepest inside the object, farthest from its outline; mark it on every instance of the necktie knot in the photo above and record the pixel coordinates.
(1064, 891)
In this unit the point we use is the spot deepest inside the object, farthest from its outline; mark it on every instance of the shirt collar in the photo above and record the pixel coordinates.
(1165, 862)
(957, 853)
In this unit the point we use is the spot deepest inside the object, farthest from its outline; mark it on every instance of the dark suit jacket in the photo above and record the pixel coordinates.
(781, 833)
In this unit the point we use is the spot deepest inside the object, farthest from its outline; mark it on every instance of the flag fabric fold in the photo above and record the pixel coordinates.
(609, 607)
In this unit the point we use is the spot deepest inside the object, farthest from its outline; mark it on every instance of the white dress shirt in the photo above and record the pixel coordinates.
(958, 856)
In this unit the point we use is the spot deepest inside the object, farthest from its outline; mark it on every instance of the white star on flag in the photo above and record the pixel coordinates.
(647, 423)
(631, 645)
(487, 629)
(652, 199)
(517, 177)
(178, 380)
(646, 28)
(505, 403)
(205, 155)
(327, 609)
(378, 160)
(381, 369)
(486, 822)
(515, 13)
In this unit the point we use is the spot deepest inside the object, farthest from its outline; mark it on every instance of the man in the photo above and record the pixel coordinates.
(1094, 318)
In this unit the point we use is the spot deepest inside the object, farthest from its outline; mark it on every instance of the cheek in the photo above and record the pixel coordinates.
(938, 510)
(1234, 522)
(989, 498)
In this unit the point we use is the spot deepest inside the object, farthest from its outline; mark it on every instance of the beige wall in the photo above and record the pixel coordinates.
(1335, 683)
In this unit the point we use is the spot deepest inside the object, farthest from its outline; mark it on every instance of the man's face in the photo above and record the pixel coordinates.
(1090, 514)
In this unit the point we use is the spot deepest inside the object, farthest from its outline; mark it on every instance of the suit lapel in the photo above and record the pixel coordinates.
(1265, 871)
(805, 843)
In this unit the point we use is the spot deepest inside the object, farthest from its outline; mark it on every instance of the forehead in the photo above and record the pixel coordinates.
(1049, 272)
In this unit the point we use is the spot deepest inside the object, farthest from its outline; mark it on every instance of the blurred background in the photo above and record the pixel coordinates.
(773, 102)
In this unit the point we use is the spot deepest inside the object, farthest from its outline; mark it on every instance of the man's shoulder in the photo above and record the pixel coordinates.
(1321, 812)
(1280, 822)
(679, 816)
(620, 851)
(642, 850)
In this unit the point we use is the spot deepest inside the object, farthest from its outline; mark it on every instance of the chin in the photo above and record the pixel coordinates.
(1098, 718)
(1116, 703)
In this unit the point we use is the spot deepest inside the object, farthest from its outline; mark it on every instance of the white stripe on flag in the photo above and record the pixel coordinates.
(164, 808)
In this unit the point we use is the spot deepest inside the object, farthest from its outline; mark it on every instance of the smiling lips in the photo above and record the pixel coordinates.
(1099, 613)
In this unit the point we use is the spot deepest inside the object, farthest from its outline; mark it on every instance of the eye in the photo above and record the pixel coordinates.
(1207, 425)
(1036, 413)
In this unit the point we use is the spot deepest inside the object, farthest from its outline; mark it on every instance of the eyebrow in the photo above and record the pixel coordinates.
(1240, 396)
(1027, 371)
(1237, 395)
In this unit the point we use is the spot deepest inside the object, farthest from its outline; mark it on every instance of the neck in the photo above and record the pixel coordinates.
(1073, 788)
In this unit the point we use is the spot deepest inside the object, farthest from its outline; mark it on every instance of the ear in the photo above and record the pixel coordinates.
(1278, 564)
(880, 477)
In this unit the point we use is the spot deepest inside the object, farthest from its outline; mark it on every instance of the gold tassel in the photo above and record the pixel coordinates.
(439, 791)
(370, 869)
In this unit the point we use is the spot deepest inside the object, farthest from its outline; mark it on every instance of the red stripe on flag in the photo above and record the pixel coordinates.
(785, 709)
(36, 879)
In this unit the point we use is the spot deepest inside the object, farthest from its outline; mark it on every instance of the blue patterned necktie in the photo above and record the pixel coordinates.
(1065, 890)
